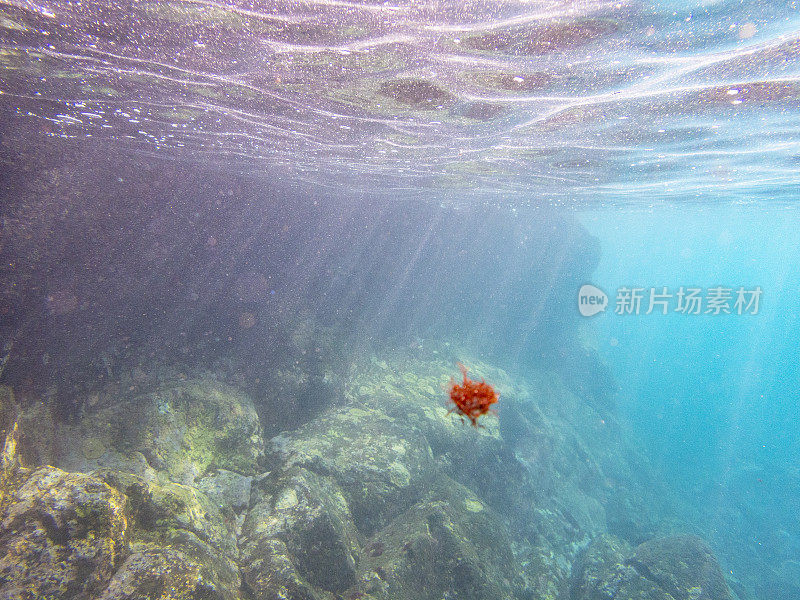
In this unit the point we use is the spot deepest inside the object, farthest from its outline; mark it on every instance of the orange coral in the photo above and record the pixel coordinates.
(470, 398)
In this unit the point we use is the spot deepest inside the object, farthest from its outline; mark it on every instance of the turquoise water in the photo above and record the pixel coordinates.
(713, 397)
(324, 201)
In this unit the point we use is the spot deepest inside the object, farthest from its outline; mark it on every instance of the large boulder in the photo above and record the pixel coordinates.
(683, 565)
(182, 431)
(111, 536)
(116, 535)
(537, 465)
(299, 539)
(680, 567)
(599, 569)
(449, 544)
(378, 462)
(181, 543)
(62, 535)
(165, 574)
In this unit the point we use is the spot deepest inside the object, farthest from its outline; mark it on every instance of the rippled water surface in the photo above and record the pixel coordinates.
(565, 101)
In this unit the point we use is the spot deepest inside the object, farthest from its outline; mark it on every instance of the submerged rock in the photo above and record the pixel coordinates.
(598, 571)
(385, 497)
(299, 539)
(227, 489)
(109, 536)
(62, 535)
(671, 568)
(449, 544)
(180, 542)
(182, 431)
(164, 574)
(683, 565)
(378, 462)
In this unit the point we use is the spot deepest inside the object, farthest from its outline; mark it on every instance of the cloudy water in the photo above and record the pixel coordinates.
(267, 267)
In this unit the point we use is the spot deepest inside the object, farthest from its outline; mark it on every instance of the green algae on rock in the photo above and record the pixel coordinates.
(179, 541)
(164, 574)
(441, 547)
(299, 539)
(184, 431)
(680, 567)
(380, 463)
(62, 536)
(384, 498)
(109, 536)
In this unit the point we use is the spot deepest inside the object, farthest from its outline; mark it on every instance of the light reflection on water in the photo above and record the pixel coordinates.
(561, 101)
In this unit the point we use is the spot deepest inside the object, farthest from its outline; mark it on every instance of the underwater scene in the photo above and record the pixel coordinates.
(399, 300)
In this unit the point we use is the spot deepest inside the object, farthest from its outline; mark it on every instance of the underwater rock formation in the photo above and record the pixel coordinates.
(683, 565)
(179, 541)
(378, 462)
(385, 497)
(62, 535)
(448, 544)
(406, 502)
(354, 508)
(109, 536)
(184, 430)
(679, 567)
(299, 537)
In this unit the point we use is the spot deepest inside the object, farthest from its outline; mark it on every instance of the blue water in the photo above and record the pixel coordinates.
(713, 398)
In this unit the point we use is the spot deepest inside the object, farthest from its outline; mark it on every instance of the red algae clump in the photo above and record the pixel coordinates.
(470, 398)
